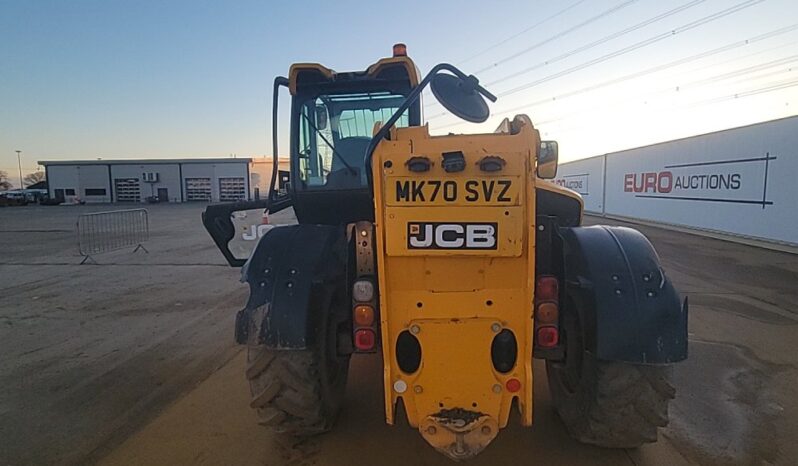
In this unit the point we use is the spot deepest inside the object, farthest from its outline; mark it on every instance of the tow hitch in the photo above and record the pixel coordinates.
(458, 433)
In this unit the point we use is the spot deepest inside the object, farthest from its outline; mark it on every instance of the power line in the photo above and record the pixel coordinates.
(596, 107)
(648, 71)
(696, 83)
(651, 70)
(560, 34)
(502, 42)
(741, 72)
(552, 38)
(740, 95)
(599, 41)
(692, 84)
(759, 52)
(636, 46)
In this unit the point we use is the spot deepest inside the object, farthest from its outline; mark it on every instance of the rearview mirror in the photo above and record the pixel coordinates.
(461, 96)
(547, 159)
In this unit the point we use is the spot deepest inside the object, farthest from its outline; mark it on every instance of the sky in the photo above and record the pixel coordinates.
(158, 79)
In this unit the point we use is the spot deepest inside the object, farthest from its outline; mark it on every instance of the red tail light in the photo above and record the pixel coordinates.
(365, 339)
(548, 289)
(547, 312)
(547, 337)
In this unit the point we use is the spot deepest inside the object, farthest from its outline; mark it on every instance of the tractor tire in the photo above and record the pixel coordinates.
(297, 392)
(608, 404)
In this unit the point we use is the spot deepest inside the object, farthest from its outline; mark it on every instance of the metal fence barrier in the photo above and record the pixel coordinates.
(100, 232)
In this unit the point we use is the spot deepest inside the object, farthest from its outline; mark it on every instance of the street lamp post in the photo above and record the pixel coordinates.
(19, 164)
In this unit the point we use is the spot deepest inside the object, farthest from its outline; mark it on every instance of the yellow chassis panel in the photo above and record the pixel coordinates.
(469, 375)
(454, 301)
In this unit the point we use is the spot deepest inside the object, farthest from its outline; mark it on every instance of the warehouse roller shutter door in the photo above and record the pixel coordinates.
(198, 189)
(232, 189)
(127, 189)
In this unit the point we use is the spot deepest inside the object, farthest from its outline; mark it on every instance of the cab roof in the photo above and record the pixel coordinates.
(398, 68)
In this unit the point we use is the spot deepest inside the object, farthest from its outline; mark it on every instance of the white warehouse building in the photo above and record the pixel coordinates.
(167, 180)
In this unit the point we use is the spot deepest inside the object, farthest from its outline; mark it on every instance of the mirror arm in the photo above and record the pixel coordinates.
(409, 100)
(470, 79)
(474, 82)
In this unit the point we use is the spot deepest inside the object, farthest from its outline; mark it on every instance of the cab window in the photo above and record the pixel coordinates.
(334, 134)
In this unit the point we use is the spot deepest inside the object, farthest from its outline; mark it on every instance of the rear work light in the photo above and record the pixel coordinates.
(365, 339)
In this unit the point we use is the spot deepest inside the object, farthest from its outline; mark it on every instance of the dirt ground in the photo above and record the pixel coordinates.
(132, 361)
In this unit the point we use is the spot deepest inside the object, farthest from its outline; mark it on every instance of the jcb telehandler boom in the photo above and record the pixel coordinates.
(452, 257)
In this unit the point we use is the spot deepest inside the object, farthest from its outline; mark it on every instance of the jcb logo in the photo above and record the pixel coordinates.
(434, 235)
(255, 232)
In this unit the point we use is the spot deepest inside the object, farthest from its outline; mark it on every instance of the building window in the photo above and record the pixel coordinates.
(127, 189)
(69, 192)
(232, 189)
(95, 191)
(198, 189)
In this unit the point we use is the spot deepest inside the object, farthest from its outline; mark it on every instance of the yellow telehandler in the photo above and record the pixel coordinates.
(453, 258)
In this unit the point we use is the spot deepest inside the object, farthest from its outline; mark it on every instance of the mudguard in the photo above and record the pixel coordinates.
(628, 308)
(291, 270)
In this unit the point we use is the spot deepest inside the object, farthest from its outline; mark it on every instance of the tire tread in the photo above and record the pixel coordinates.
(623, 408)
(285, 395)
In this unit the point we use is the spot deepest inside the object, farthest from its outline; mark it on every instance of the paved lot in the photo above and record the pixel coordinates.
(132, 362)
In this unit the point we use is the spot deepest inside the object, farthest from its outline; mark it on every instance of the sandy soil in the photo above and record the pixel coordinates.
(132, 362)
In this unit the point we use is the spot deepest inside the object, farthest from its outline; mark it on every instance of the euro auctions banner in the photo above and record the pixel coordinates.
(586, 177)
(741, 181)
(735, 181)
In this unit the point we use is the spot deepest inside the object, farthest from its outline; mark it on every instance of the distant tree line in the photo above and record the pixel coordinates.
(33, 178)
(4, 183)
(27, 180)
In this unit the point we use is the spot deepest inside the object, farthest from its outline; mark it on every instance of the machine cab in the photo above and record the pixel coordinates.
(332, 121)
(333, 116)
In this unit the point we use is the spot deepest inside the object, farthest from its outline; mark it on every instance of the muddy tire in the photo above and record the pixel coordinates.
(609, 404)
(297, 392)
